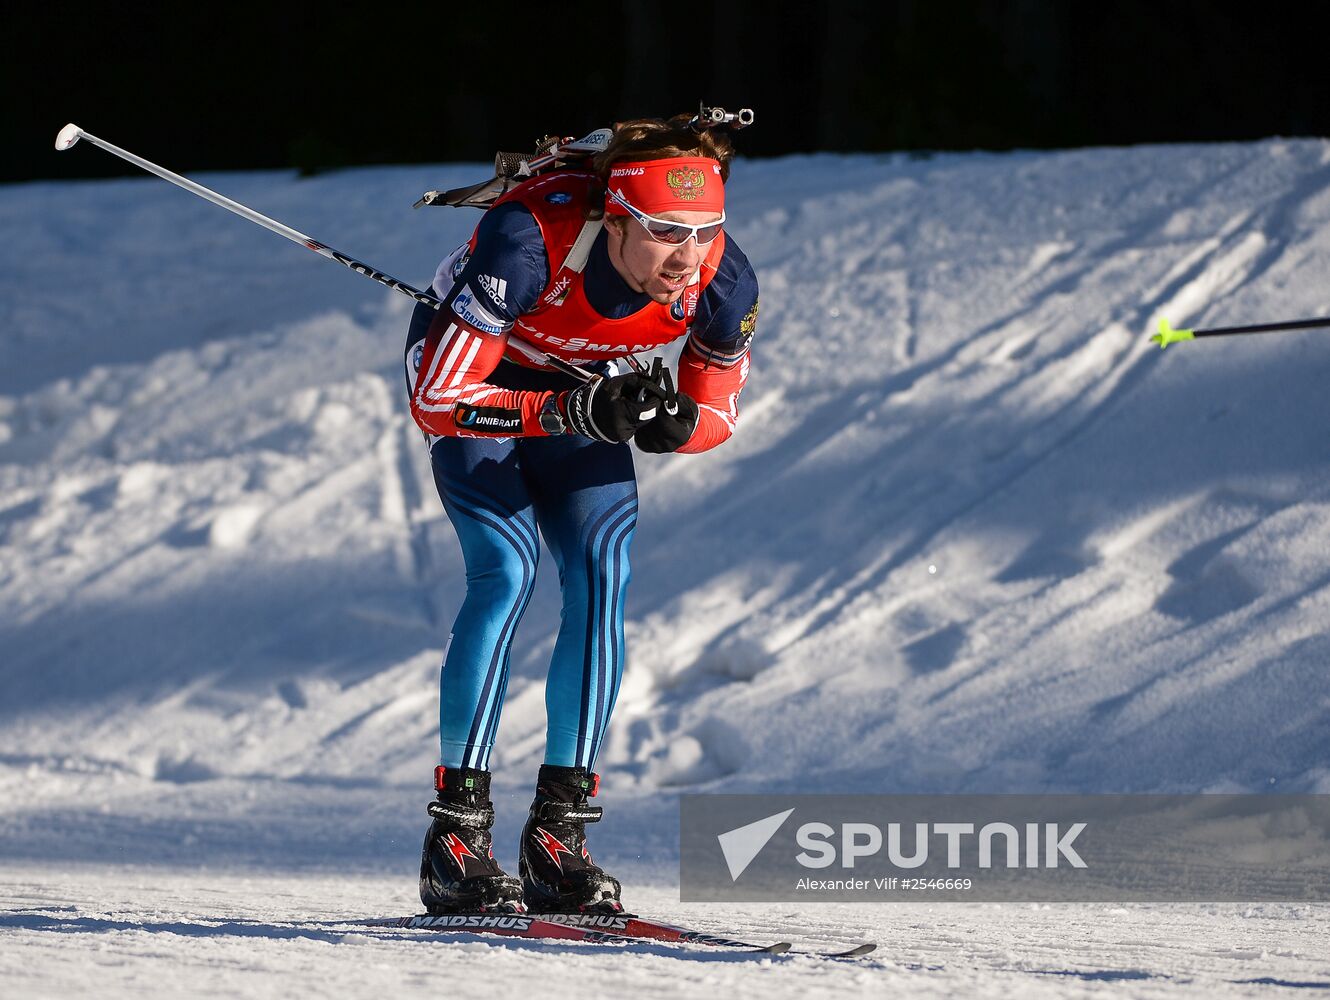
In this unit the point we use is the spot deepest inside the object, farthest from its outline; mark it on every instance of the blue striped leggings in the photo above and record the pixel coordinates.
(582, 495)
(500, 494)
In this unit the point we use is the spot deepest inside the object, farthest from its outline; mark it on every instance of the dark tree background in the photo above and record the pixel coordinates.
(319, 86)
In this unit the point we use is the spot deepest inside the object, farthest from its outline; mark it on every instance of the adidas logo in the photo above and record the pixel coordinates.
(495, 288)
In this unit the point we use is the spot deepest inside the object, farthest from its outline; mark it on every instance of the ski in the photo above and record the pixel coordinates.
(856, 952)
(594, 927)
(640, 927)
(598, 928)
(632, 926)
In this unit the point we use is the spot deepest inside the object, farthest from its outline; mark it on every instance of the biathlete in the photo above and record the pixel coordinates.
(588, 266)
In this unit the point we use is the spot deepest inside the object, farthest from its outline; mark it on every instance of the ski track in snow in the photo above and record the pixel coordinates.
(225, 578)
(230, 935)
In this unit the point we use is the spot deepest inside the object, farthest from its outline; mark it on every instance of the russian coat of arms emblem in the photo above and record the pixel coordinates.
(686, 182)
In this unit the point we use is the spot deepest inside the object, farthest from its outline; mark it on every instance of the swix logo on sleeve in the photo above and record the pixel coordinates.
(685, 306)
(558, 291)
(470, 311)
(690, 297)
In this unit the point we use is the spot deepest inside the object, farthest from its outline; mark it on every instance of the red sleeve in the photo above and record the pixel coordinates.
(716, 387)
(451, 397)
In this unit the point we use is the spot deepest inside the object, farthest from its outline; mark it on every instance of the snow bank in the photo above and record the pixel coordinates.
(975, 533)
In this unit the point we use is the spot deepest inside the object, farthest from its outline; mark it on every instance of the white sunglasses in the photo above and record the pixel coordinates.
(673, 233)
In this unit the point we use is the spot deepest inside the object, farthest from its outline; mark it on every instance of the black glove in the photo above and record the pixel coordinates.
(611, 409)
(673, 423)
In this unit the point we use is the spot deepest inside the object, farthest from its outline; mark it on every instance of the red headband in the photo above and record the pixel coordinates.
(674, 184)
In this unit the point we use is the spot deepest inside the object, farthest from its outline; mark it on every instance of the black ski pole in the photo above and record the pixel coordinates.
(1167, 335)
(71, 134)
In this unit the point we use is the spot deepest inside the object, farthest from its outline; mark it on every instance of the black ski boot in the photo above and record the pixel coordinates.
(458, 873)
(556, 867)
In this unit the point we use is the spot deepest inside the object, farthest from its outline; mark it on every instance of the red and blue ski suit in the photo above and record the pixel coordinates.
(534, 279)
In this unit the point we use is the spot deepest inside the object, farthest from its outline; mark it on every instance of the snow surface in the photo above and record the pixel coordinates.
(975, 534)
